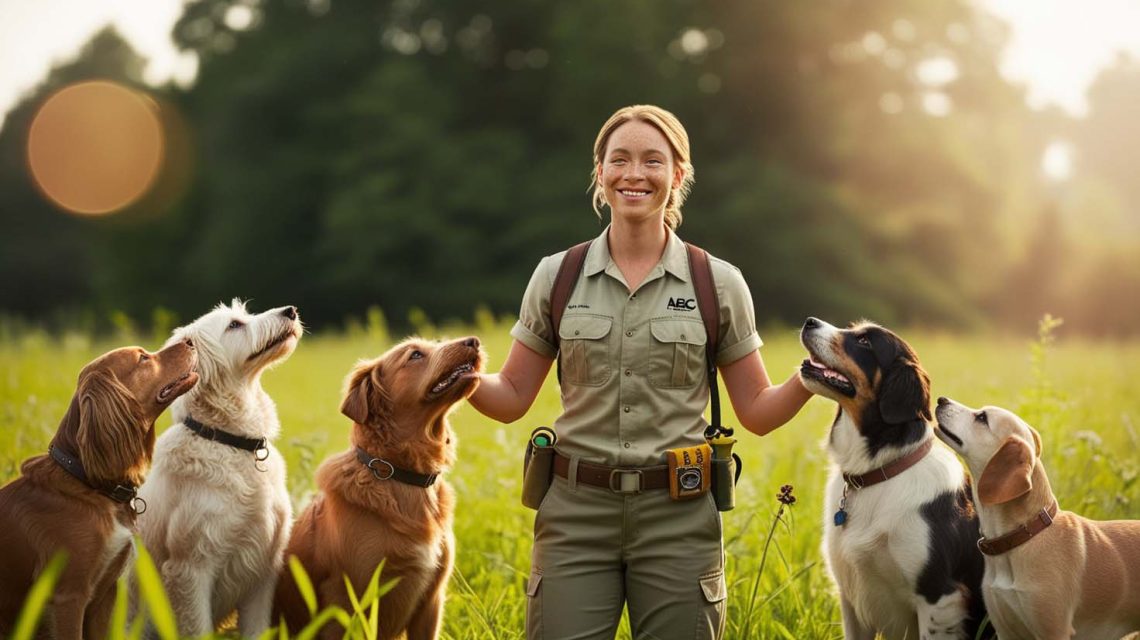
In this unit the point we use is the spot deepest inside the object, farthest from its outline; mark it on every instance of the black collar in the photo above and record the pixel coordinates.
(384, 470)
(122, 493)
(259, 446)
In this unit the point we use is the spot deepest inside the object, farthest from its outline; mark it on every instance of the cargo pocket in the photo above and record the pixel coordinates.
(677, 358)
(710, 623)
(534, 607)
(584, 344)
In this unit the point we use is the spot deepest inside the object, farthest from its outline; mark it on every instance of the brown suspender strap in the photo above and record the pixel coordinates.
(707, 301)
(709, 306)
(564, 282)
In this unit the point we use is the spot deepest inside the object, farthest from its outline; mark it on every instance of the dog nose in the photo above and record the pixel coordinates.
(812, 323)
(943, 400)
(472, 342)
(290, 312)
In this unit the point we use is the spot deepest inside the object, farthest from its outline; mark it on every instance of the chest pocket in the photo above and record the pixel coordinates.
(677, 357)
(585, 349)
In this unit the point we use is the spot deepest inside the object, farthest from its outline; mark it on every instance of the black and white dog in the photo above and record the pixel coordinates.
(900, 531)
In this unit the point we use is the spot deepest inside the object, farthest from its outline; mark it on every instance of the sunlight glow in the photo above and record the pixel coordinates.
(1057, 161)
(95, 147)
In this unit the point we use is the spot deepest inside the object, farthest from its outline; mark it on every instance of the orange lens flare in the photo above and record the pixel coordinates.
(95, 147)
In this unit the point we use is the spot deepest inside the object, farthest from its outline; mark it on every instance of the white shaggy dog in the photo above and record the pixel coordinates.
(218, 512)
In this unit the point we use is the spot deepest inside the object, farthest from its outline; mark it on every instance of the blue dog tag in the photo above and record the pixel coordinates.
(840, 518)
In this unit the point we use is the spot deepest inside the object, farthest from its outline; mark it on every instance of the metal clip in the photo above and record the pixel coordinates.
(139, 505)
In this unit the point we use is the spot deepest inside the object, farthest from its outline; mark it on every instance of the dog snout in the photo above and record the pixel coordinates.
(472, 342)
(290, 312)
(812, 323)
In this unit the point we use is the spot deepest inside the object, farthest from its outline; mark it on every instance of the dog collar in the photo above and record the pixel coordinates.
(882, 474)
(258, 446)
(121, 493)
(384, 470)
(1022, 534)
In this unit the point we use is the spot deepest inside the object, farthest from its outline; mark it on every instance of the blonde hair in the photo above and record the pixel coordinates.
(674, 132)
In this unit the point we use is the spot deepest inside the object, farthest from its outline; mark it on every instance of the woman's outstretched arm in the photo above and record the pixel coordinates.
(507, 395)
(759, 405)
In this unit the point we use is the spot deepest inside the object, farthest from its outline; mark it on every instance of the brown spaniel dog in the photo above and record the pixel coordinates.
(80, 497)
(384, 499)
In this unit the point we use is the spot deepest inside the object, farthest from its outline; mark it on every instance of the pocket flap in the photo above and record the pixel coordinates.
(584, 327)
(532, 584)
(686, 331)
(714, 588)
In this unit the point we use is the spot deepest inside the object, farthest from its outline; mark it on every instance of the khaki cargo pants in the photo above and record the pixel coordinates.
(595, 550)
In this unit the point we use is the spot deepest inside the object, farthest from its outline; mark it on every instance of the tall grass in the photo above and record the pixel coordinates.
(1080, 394)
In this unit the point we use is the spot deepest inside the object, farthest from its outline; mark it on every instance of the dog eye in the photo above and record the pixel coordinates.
(236, 324)
(143, 357)
(863, 341)
(981, 417)
(416, 355)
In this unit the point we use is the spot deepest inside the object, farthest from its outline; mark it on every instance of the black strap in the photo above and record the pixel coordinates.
(701, 272)
(384, 470)
(564, 282)
(258, 446)
(124, 493)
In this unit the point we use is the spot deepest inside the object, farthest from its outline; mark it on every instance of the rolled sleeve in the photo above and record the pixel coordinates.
(533, 328)
(738, 336)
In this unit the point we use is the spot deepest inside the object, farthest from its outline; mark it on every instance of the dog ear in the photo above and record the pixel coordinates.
(1007, 474)
(904, 393)
(110, 436)
(364, 395)
(1036, 440)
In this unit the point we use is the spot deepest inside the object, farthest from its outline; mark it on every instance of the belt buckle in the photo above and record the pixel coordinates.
(632, 487)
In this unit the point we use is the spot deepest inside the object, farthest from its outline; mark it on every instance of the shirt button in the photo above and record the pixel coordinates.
(627, 445)
(628, 372)
(629, 333)
(576, 332)
(625, 408)
(682, 335)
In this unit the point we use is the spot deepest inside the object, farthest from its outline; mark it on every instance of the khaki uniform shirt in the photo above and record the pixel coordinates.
(634, 380)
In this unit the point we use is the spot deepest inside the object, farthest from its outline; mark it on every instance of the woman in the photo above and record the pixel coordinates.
(634, 384)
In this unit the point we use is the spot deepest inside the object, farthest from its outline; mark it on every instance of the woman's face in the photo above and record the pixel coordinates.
(637, 171)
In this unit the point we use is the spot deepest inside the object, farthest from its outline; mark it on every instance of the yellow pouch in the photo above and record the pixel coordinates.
(690, 471)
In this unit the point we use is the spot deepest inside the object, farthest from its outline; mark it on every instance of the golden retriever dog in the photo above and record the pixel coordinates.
(220, 512)
(81, 496)
(384, 498)
(1049, 573)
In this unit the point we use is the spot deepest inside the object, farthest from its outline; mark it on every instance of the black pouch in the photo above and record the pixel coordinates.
(726, 467)
(538, 466)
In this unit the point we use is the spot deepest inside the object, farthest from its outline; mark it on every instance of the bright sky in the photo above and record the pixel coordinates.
(1057, 46)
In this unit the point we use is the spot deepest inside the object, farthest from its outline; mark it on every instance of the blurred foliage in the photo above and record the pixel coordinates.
(421, 156)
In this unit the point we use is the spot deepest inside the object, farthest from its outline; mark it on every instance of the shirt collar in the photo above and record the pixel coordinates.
(675, 260)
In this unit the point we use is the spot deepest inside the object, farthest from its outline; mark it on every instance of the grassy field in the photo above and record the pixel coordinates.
(1080, 395)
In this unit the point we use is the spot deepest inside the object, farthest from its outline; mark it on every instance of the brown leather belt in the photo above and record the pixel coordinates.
(616, 479)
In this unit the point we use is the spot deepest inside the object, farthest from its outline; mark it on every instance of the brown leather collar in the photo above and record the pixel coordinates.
(886, 472)
(1022, 534)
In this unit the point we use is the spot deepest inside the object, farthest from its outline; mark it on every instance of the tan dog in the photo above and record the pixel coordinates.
(383, 499)
(1049, 573)
(80, 498)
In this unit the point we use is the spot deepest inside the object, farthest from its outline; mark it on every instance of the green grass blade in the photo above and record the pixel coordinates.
(304, 585)
(321, 619)
(154, 595)
(38, 597)
(119, 613)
